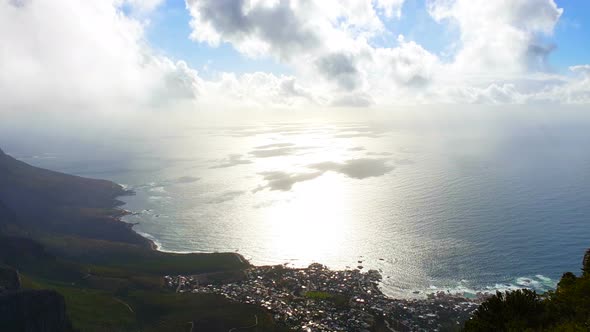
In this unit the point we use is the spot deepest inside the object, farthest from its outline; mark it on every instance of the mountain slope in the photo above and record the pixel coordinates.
(8, 220)
(29, 190)
(52, 202)
(63, 234)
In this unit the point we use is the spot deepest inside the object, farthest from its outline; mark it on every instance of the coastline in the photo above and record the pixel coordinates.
(149, 242)
(153, 245)
(468, 294)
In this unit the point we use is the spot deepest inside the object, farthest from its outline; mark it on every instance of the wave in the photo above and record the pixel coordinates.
(538, 283)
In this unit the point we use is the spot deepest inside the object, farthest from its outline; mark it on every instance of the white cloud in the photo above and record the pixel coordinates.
(409, 64)
(286, 29)
(326, 42)
(572, 90)
(65, 53)
(142, 6)
(391, 8)
(253, 90)
(501, 36)
(83, 53)
(329, 46)
(582, 69)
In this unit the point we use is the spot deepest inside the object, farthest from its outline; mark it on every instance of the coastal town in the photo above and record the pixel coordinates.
(319, 299)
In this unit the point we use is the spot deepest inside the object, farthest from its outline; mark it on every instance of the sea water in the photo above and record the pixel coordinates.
(441, 205)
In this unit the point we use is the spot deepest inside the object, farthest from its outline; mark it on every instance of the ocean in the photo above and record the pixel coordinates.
(459, 203)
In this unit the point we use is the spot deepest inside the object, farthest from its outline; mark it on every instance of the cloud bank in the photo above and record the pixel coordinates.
(87, 54)
(500, 57)
(82, 53)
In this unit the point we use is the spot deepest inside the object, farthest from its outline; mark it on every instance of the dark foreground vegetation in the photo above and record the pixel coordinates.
(565, 309)
(67, 263)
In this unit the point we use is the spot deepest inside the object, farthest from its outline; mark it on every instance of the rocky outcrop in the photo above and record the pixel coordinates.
(33, 311)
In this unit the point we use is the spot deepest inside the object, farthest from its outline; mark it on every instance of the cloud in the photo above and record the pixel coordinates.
(391, 8)
(581, 69)
(331, 48)
(319, 39)
(407, 65)
(143, 6)
(340, 68)
(89, 55)
(255, 90)
(570, 90)
(353, 100)
(84, 54)
(254, 27)
(498, 37)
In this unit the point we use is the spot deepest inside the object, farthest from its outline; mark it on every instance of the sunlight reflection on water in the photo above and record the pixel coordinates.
(432, 210)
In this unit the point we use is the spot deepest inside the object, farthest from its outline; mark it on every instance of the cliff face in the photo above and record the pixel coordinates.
(33, 311)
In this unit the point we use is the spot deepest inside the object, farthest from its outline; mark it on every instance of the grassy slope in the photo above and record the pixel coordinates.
(99, 297)
(112, 299)
(111, 281)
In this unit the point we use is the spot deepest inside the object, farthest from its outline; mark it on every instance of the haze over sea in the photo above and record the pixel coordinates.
(459, 201)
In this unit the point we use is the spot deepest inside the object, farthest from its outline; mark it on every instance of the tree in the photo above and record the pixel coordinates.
(565, 309)
(518, 310)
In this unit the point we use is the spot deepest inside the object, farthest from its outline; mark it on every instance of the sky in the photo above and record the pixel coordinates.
(115, 55)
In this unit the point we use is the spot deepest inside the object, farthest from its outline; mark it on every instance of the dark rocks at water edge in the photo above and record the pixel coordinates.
(319, 299)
